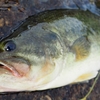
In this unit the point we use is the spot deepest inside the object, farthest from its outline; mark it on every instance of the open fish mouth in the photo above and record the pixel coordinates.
(9, 69)
(17, 69)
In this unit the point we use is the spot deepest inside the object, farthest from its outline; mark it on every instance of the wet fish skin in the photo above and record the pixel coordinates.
(51, 53)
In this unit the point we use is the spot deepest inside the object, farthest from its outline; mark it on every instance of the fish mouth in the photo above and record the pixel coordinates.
(17, 67)
(9, 69)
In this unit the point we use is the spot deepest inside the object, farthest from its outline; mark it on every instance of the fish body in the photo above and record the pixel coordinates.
(51, 53)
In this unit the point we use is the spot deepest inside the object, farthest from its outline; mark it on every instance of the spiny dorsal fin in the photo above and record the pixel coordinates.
(81, 47)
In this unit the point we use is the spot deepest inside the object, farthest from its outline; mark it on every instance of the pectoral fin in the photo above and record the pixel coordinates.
(81, 48)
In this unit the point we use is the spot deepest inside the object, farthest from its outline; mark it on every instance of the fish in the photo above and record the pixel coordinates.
(50, 50)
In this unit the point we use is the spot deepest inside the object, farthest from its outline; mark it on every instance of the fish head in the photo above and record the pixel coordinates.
(27, 63)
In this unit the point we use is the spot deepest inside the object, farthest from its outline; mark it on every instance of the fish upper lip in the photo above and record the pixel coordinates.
(10, 68)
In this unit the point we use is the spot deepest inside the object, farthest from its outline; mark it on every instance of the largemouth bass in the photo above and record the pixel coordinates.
(56, 48)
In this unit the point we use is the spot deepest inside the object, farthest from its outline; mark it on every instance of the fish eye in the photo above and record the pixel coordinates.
(9, 45)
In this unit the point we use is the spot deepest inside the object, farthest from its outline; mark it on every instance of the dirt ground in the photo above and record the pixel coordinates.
(12, 12)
